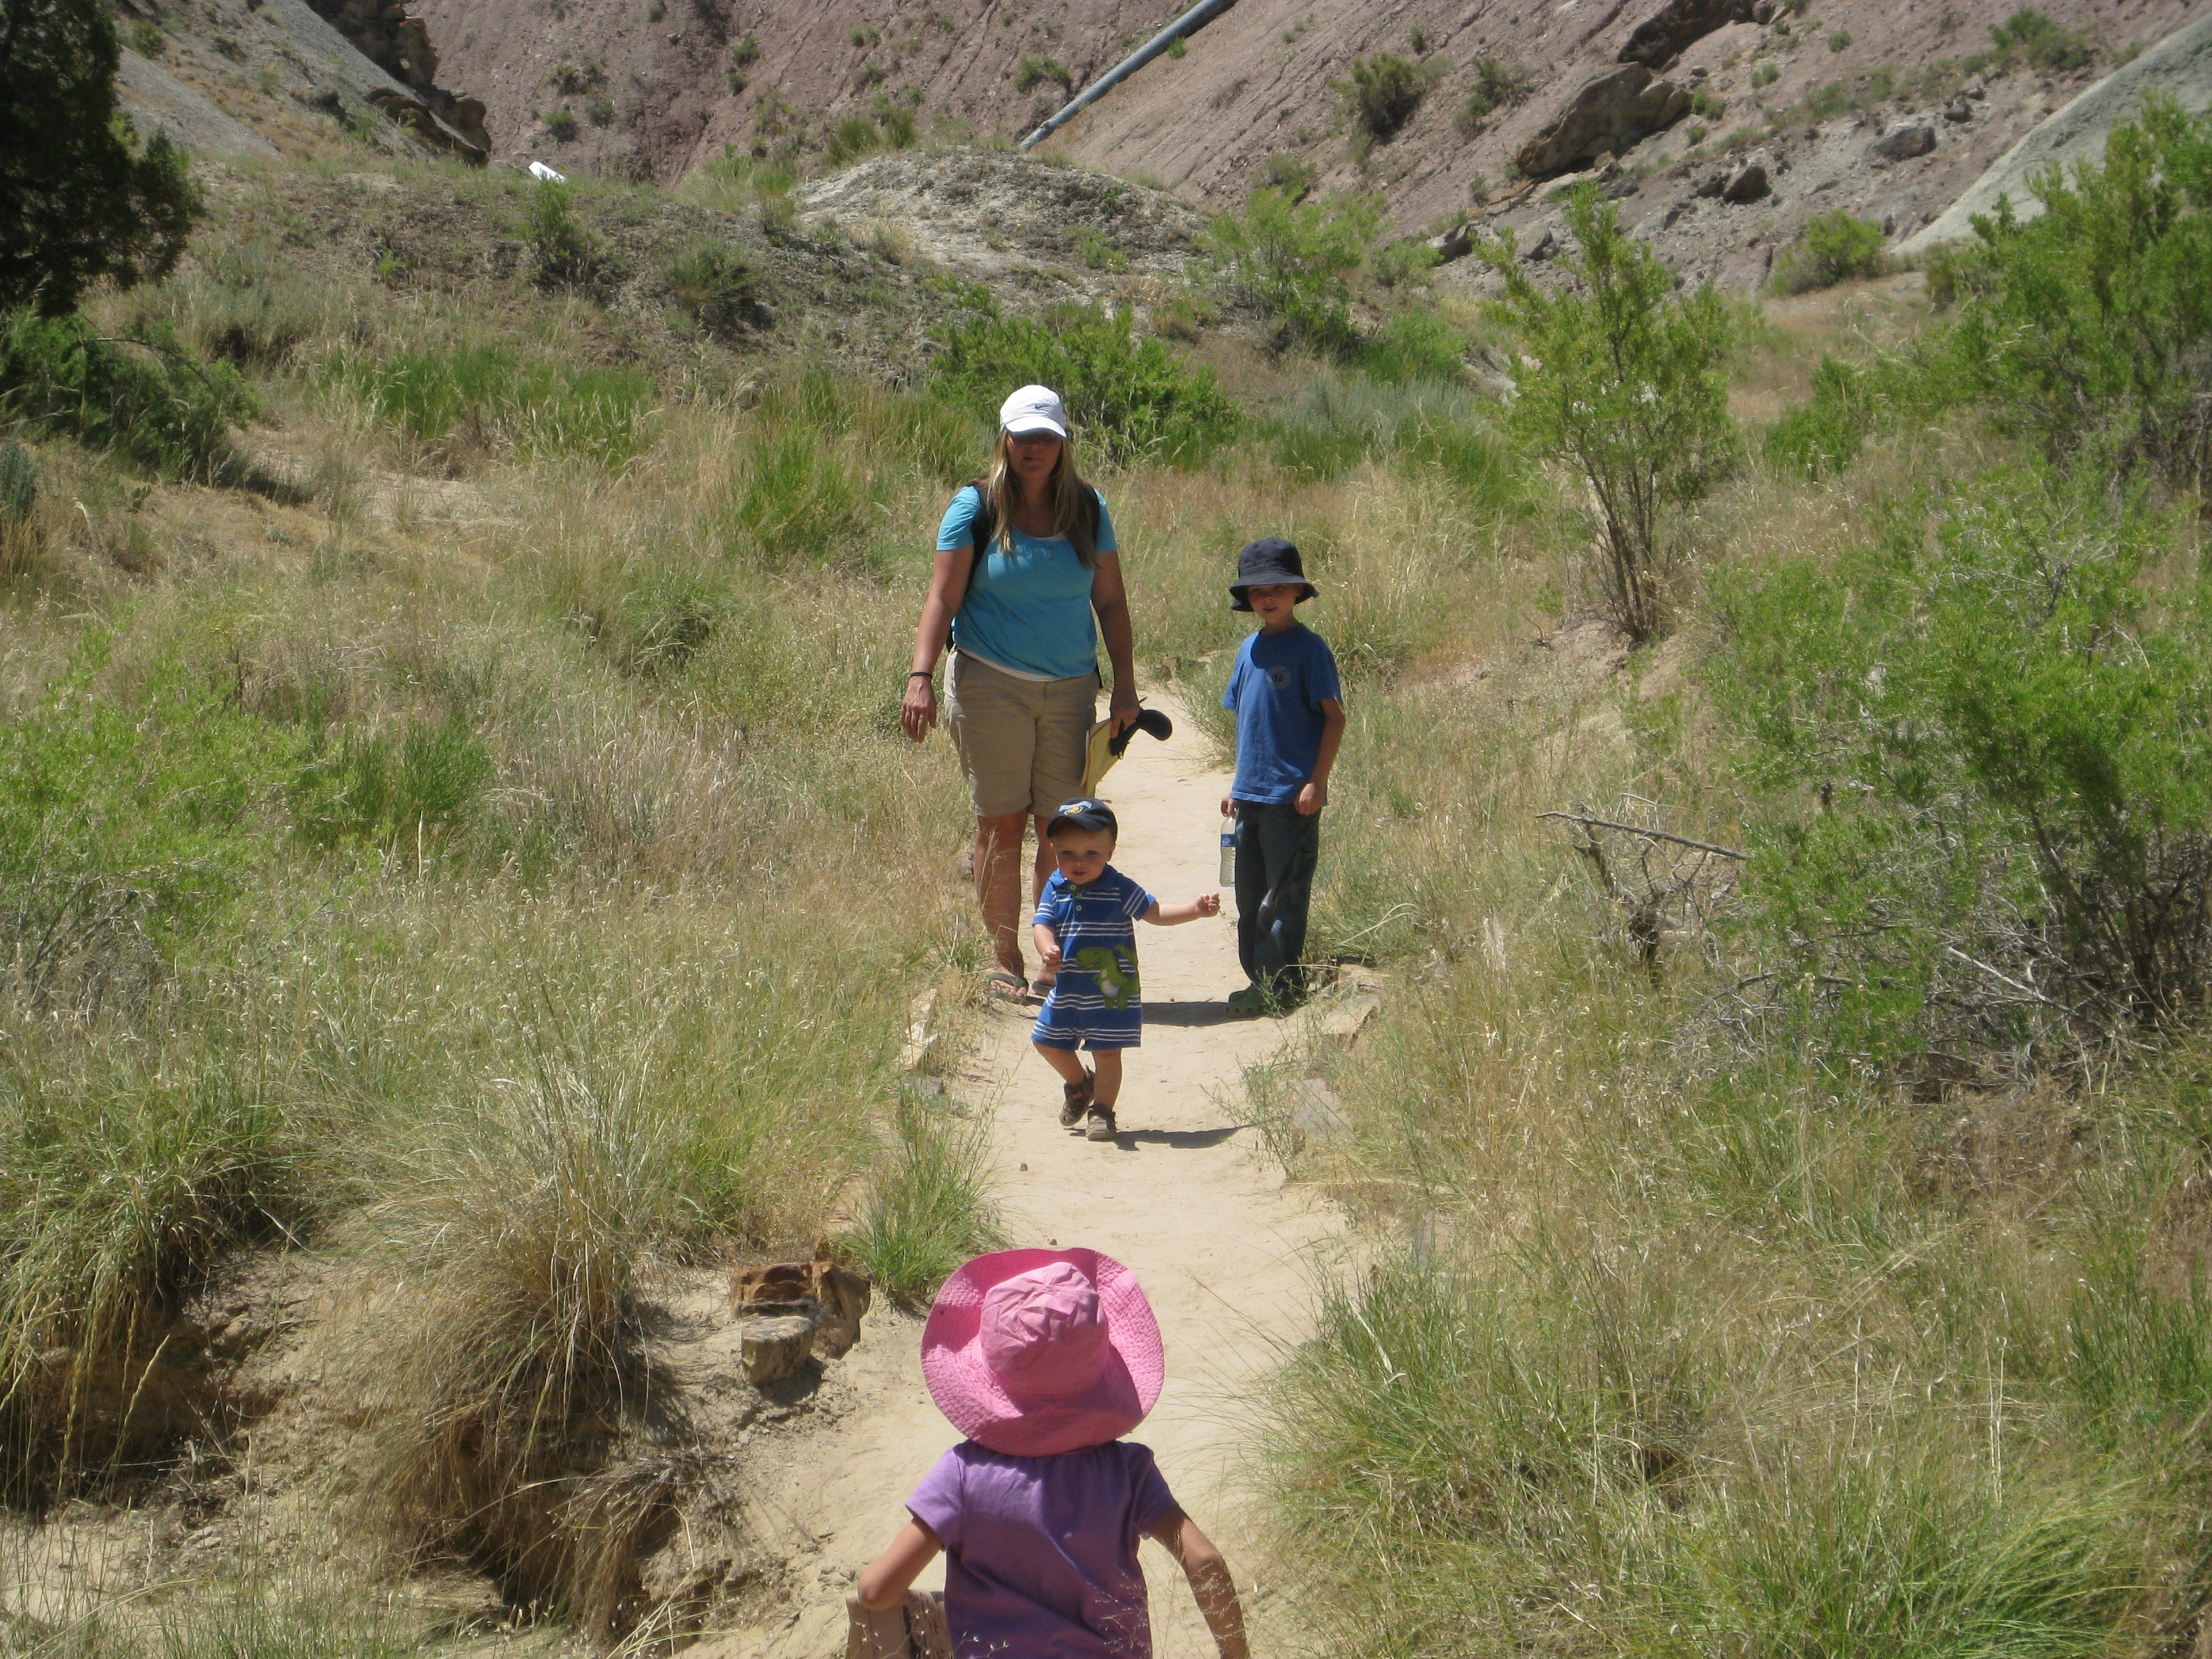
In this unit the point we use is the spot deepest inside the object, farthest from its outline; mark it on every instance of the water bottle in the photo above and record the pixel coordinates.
(1228, 852)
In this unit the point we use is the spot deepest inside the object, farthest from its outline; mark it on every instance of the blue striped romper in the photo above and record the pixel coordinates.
(1094, 1003)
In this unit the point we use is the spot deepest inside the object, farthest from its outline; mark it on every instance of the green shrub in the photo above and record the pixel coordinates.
(1833, 248)
(1129, 398)
(1819, 438)
(2015, 757)
(718, 287)
(1497, 85)
(599, 109)
(1626, 390)
(1383, 93)
(1839, 39)
(2089, 327)
(745, 53)
(1291, 176)
(1294, 260)
(568, 254)
(561, 124)
(18, 483)
(2044, 44)
(1416, 343)
(1707, 102)
(144, 394)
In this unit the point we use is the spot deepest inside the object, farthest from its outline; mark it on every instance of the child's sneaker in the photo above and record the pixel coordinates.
(1249, 1000)
(1075, 1100)
(1101, 1127)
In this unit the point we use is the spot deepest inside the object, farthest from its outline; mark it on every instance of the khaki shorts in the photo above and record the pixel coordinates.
(1022, 743)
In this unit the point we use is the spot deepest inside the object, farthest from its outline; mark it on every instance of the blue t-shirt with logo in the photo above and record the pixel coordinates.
(1028, 612)
(1276, 691)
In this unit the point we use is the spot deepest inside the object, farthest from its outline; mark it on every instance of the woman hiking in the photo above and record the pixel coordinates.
(1027, 583)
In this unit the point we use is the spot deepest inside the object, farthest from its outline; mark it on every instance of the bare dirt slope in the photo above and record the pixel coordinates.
(1226, 1254)
(1261, 80)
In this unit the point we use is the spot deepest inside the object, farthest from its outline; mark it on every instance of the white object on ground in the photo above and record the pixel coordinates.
(544, 174)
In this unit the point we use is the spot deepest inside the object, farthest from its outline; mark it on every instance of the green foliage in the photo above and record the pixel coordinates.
(1416, 343)
(1383, 93)
(1295, 260)
(1497, 85)
(367, 786)
(718, 287)
(2016, 759)
(1705, 102)
(1626, 389)
(2044, 44)
(1834, 248)
(143, 394)
(857, 136)
(568, 253)
(1037, 69)
(1823, 437)
(1407, 261)
(745, 53)
(486, 395)
(929, 1207)
(561, 124)
(78, 202)
(2089, 327)
(1291, 176)
(1129, 398)
(1839, 39)
(599, 109)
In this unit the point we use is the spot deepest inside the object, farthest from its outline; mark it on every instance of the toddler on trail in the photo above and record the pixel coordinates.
(1044, 1359)
(1290, 720)
(1086, 939)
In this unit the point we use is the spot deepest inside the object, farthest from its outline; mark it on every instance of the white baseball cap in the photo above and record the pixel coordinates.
(1034, 408)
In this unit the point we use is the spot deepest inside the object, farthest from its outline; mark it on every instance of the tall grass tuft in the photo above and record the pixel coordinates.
(929, 1207)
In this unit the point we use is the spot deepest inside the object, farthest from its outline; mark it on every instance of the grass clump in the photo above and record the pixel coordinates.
(1497, 85)
(568, 253)
(1131, 398)
(486, 396)
(718, 287)
(2036, 39)
(931, 1207)
(1035, 71)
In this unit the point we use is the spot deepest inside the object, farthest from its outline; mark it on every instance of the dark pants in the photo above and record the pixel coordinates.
(1277, 848)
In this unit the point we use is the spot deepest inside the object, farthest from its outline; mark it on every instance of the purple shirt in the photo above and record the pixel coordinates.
(1040, 1552)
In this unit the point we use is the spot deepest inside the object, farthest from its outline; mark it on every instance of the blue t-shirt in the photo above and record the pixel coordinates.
(1095, 994)
(1028, 612)
(1276, 691)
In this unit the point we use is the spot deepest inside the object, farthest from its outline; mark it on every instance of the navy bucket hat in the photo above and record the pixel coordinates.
(1269, 562)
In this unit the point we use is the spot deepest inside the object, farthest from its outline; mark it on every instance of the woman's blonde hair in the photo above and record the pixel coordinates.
(1066, 490)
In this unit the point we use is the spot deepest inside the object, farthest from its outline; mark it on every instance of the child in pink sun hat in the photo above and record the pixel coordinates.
(1044, 1359)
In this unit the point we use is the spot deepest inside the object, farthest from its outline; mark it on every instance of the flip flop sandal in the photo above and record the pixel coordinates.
(1075, 1100)
(1101, 1126)
(1006, 984)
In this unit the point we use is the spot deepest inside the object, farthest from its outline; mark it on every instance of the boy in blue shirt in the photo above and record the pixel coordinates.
(1290, 720)
(1086, 941)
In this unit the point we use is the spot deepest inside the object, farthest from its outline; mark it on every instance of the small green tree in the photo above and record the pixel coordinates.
(1295, 260)
(1833, 248)
(78, 202)
(1622, 383)
(1383, 93)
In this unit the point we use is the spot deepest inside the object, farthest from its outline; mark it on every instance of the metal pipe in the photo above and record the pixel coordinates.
(1189, 23)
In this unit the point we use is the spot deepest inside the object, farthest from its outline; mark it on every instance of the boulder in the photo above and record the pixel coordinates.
(830, 1298)
(1661, 36)
(1709, 187)
(1316, 1112)
(1455, 243)
(772, 1349)
(1958, 109)
(1906, 142)
(1747, 184)
(1608, 113)
(1542, 247)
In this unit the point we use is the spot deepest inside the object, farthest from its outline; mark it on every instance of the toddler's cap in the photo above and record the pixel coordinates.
(1034, 408)
(1085, 812)
(1270, 562)
(1035, 1351)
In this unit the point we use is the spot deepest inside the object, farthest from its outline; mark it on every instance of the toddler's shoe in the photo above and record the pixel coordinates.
(1075, 1100)
(1101, 1127)
(1250, 1000)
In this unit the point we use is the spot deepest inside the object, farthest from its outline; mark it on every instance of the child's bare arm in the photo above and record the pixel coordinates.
(1047, 948)
(890, 1575)
(1313, 795)
(1178, 1535)
(1206, 904)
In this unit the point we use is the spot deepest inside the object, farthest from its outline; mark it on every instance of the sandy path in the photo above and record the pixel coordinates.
(1184, 1198)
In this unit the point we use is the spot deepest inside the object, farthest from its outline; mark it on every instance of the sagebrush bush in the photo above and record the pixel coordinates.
(1383, 93)
(2016, 838)
(1626, 389)
(568, 253)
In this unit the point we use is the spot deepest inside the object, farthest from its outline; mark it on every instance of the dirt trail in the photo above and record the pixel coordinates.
(1224, 1251)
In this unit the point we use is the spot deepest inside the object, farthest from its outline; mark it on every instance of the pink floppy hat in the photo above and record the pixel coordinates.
(1034, 1351)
